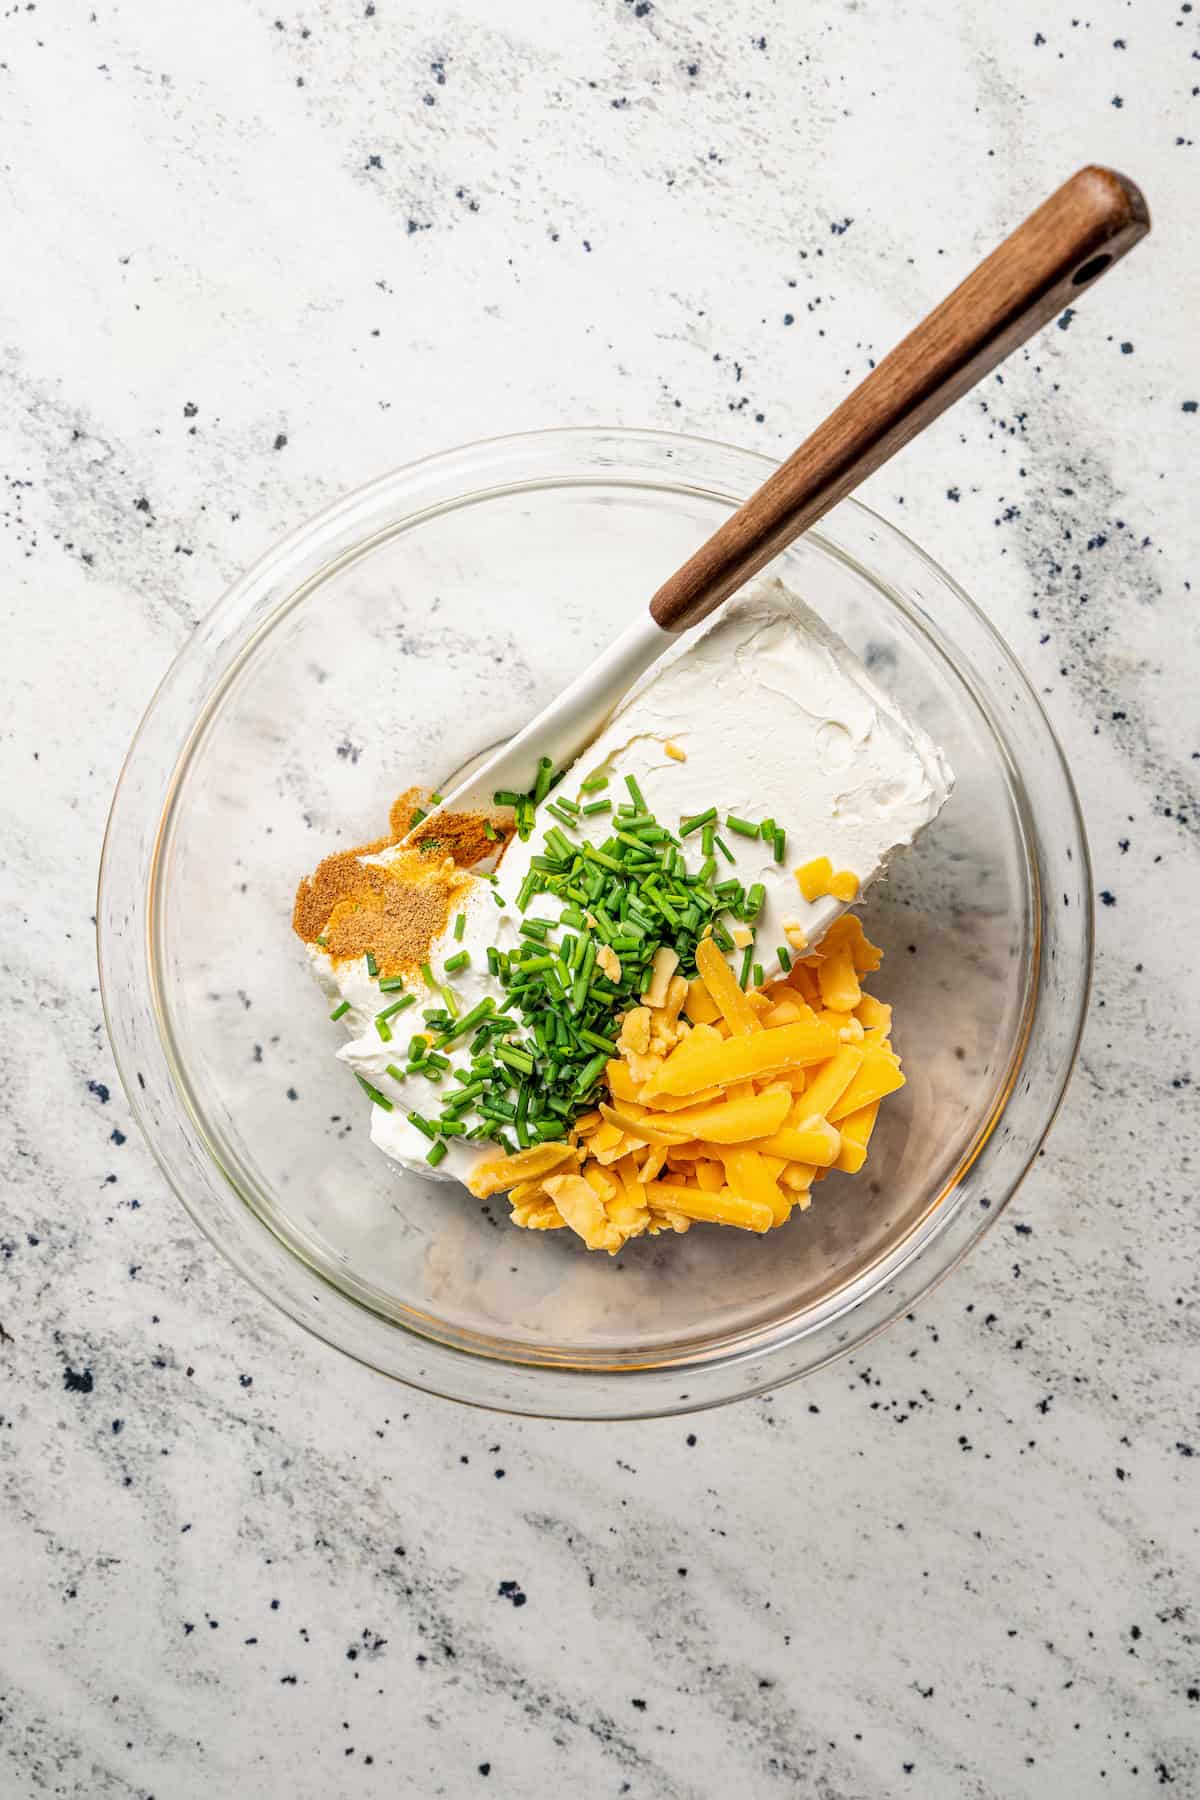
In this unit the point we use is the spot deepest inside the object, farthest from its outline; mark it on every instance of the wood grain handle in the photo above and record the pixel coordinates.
(1079, 232)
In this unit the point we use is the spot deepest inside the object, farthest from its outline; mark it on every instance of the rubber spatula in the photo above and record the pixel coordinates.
(1092, 221)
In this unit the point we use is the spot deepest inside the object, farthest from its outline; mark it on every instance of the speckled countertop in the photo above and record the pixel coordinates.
(254, 257)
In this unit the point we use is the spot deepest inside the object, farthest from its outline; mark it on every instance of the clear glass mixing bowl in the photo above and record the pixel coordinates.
(410, 627)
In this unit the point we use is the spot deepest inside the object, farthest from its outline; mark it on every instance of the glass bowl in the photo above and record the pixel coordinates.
(411, 627)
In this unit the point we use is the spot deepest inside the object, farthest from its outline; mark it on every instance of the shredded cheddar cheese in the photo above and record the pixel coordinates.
(725, 1107)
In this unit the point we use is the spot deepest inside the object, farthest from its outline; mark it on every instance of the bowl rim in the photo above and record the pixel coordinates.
(288, 552)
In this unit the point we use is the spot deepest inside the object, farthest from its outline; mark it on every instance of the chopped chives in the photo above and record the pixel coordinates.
(597, 806)
(340, 1011)
(605, 861)
(466, 1094)
(493, 960)
(322, 941)
(785, 960)
(589, 1073)
(427, 975)
(723, 847)
(396, 1006)
(418, 813)
(384, 1030)
(372, 965)
(373, 1093)
(747, 960)
(395, 1073)
(506, 797)
(459, 1027)
(461, 960)
(743, 827)
(489, 830)
(437, 799)
(541, 785)
(435, 1154)
(451, 1128)
(635, 794)
(570, 806)
(754, 899)
(758, 975)
(391, 984)
(696, 821)
(460, 925)
(780, 845)
(498, 898)
(593, 784)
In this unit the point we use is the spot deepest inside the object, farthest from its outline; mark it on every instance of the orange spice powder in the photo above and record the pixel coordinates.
(395, 912)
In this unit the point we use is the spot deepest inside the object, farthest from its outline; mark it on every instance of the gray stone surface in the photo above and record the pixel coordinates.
(253, 258)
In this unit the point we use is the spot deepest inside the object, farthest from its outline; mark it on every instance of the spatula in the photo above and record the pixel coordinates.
(1085, 227)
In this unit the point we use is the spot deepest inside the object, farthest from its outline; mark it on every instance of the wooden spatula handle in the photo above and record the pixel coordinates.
(1080, 231)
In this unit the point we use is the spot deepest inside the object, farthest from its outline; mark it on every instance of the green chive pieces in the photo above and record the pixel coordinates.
(373, 1093)
(372, 966)
(522, 1070)
(391, 984)
(785, 958)
(340, 1010)
(541, 785)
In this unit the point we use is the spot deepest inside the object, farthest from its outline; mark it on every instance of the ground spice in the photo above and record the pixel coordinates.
(395, 911)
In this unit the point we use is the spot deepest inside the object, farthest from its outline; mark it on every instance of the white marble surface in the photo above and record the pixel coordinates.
(253, 258)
